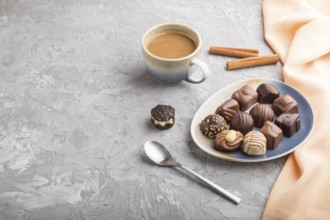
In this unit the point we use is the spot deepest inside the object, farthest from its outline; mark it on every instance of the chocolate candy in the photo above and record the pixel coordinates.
(289, 123)
(273, 134)
(267, 93)
(254, 143)
(261, 113)
(242, 121)
(246, 96)
(162, 116)
(228, 140)
(285, 104)
(227, 109)
(212, 125)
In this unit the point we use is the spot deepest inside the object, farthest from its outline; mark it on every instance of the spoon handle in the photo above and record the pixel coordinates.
(214, 186)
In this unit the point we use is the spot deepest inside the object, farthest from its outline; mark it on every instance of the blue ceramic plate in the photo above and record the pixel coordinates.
(287, 145)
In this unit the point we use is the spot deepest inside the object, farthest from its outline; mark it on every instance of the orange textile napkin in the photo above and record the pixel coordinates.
(299, 31)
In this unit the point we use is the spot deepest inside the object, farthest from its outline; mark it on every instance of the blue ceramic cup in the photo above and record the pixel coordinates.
(174, 70)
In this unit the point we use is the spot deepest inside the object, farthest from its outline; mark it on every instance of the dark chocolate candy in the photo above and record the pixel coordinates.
(261, 113)
(242, 121)
(227, 109)
(267, 93)
(285, 104)
(246, 96)
(273, 134)
(212, 125)
(163, 116)
(289, 123)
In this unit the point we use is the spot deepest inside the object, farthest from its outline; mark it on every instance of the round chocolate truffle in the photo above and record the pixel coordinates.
(267, 93)
(262, 113)
(212, 125)
(254, 143)
(242, 121)
(228, 140)
(162, 116)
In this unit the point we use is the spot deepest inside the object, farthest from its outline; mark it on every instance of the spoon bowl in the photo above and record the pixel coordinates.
(161, 156)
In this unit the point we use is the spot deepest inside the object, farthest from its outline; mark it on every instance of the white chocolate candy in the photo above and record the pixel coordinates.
(254, 143)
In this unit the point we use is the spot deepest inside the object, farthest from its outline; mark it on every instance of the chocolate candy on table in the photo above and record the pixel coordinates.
(254, 143)
(228, 140)
(213, 124)
(242, 121)
(285, 104)
(267, 93)
(261, 113)
(227, 109)
(246, 96)
(163, 116)
(273, 134)
(289, 123)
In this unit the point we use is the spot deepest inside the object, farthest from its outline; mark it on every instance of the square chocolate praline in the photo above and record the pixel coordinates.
(246, 96)
(267, 93)
(273, 134)
(289, 123)
(228, 109)
(285, 104)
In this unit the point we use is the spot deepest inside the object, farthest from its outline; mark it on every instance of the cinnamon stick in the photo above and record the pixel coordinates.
(252, 61)
(234, 52)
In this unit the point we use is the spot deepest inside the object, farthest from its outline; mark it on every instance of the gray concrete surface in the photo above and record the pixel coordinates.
(74, 112)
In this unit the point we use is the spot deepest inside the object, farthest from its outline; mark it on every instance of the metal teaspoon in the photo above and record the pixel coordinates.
(161, 156)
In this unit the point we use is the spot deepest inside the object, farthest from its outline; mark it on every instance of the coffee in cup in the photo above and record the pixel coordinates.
(171, 45)
(169, 50)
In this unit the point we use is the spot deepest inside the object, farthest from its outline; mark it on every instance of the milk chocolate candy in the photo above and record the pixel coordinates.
(289, 123)
(246, 96)
(267, 93)
(228, 140)
(254, 143)
(228, 109)
(242, 121)
(273, 134)
(212, 125)
(261, 113)
(285, 104)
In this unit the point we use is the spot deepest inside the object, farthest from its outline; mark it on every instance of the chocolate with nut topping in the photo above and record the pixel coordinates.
(163, 116)
(228, 140)
(212, 125)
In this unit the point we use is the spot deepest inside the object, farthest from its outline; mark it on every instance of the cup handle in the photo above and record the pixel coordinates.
(204, 68)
